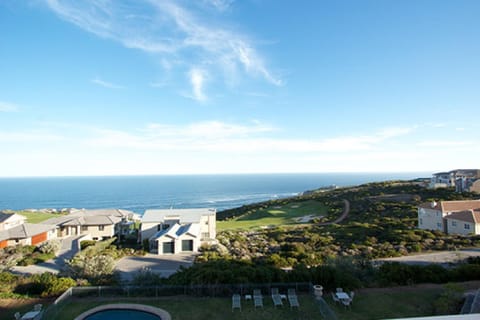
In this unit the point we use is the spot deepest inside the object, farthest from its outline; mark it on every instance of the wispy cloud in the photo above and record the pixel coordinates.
(106, 84)
(171, 31)
(220, 5)
(197, 79)
(8, 107)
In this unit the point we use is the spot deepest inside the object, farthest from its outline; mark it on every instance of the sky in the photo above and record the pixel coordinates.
(107, 87)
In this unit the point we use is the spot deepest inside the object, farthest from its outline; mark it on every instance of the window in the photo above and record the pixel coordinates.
(421, 221)
(159, 227)
(439, 225)
(101, 228)
(187, 245)
(454, 223)
(205, 235)
(165, 226)
(84, 228)
(169, 247)
(467, 226)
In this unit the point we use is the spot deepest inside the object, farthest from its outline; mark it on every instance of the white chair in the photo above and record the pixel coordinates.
(346, 302)
(352, 294)
(17, 315)
(334, 297)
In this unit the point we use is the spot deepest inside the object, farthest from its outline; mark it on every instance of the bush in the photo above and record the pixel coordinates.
(87, 243)
(50, 247)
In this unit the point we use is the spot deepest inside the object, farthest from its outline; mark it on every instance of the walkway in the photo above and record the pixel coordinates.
(70, 246)
(346, 211)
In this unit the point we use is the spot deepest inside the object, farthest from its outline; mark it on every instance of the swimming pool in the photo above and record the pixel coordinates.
(124, 312)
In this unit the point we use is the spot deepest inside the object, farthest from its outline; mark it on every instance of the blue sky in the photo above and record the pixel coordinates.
(110, 87)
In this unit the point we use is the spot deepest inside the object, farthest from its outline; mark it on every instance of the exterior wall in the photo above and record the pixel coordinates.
(39, 238)
(3, 244)
(475, 187)
(208, 227)
(430, 219)
(95, 232)
(148, 229)
(23, 242)
(458, 227)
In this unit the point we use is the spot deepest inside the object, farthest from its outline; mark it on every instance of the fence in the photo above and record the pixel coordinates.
(125, 292)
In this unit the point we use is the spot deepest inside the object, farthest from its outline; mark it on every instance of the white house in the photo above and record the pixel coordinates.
(178, 230)
(464, 222)
(445, 215)
(10, 220)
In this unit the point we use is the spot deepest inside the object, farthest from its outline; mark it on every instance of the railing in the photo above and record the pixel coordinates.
(219, 290)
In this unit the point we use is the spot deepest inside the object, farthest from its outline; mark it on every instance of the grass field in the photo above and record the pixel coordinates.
(37, 217)
(275, 216)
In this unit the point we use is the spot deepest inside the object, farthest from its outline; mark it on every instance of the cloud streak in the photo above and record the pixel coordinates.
(106, 84)
(8, 107)
(167, 29)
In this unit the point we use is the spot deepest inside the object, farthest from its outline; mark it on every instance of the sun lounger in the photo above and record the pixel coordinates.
(257, 298)
(236, 304)
(276, 298)
(292, 298)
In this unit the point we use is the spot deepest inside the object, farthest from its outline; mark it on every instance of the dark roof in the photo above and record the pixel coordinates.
(472, 216)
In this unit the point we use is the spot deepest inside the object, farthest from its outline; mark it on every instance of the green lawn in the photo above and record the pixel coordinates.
(187, 308)
(388, 304)
(368, 304)
(275, 216)
(38, 217)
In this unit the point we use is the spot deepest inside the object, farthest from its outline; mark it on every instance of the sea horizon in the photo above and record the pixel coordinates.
(141, 192)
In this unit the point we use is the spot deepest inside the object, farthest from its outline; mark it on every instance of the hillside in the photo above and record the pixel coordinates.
(381, 222)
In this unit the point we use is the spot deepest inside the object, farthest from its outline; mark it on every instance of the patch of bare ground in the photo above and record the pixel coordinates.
(17, 304)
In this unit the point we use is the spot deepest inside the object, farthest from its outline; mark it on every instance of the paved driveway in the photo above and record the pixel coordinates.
(165, 265)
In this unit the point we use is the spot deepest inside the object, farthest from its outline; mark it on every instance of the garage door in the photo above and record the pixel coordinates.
(169, 247)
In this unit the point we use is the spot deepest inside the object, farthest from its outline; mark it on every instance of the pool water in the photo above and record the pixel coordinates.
(124, 314)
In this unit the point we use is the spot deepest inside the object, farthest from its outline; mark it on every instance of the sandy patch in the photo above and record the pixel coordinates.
(306, 219)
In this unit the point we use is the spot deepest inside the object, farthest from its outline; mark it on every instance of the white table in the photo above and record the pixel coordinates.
(342, 295)
(31, 315)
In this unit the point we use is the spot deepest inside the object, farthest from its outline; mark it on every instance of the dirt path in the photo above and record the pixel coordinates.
(440, 257)
(346, 210)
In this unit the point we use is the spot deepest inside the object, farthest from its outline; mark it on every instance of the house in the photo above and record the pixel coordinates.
(446, 216)
(97, 224)
(173, 231)
(27, 234)
(462, 179)
(10, 220)
(464, 222)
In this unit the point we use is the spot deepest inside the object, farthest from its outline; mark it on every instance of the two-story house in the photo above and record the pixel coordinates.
(458, 217)
(178, 230)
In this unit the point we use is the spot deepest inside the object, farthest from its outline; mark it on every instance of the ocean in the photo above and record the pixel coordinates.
(138, 193)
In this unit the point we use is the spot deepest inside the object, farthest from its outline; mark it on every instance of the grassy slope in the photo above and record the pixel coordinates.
(274, 216)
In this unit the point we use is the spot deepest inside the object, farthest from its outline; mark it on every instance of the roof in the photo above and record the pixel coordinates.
(176, 231)
(92, 221)
(104, 212)
(25, 230)
(5, 216)
(452, 206)
(472, 216)
(92, 217)
(184, 215)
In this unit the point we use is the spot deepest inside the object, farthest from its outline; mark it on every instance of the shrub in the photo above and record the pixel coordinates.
(50, 247)
(87, 243)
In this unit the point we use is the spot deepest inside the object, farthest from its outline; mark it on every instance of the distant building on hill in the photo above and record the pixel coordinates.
(27, 234)
(172, 231)
(461, 179)
(457, 217)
